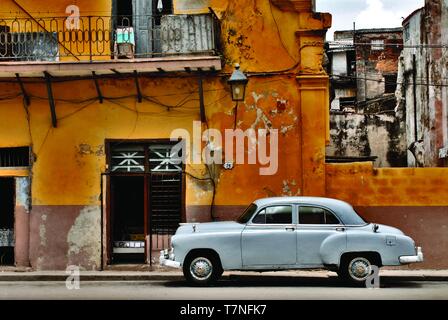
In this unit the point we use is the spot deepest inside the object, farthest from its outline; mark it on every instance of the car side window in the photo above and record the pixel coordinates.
(316, 215)
(274, 215)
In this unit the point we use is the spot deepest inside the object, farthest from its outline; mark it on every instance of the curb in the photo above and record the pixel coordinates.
(103, 278)
(30, 277)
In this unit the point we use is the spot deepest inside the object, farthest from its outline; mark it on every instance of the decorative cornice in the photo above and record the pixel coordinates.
(295, 5)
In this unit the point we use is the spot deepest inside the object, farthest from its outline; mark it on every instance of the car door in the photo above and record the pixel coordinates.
(269, 239)
(316, 224)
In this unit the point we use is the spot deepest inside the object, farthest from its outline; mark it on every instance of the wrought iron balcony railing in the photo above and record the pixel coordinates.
(108, 37)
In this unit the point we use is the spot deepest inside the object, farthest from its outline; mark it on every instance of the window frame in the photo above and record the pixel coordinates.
(16, 153)
(319, 207)
(294, 212)
(377, 45)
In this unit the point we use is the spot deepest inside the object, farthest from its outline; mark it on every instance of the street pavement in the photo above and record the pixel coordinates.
(231, 287)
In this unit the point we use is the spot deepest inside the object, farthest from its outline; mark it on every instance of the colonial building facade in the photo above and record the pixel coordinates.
(92, 91)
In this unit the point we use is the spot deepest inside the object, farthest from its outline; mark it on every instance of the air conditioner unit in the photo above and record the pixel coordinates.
(124, 43)
(186, 34)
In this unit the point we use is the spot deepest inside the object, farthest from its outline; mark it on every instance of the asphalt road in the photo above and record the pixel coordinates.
(233, 288)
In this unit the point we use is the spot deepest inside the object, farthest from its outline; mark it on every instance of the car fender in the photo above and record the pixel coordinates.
(389, 246)
(332, 248)
(227, 245)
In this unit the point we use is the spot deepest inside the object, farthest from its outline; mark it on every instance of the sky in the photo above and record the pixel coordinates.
(367, 13)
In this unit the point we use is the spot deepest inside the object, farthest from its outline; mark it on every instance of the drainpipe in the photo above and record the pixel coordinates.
(102, 219)
(414, 94)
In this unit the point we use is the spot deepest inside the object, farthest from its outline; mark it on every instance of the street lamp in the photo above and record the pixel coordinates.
(238, 82)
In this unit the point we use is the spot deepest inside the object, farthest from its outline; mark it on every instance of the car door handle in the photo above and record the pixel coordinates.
(290, 229)
(340, 229)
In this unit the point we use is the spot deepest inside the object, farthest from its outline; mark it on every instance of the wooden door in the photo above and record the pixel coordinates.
(142, 21)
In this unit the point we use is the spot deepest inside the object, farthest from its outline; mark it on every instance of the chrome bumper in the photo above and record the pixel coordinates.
(413, 259)
(166, 259)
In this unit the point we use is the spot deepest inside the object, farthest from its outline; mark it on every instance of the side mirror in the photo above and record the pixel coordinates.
(375, 228)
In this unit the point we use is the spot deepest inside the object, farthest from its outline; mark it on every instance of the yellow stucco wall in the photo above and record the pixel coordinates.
(70, 158)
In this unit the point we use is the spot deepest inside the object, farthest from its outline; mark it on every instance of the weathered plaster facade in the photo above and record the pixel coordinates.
(363, 121)
(288, 90)
(376, 58)
(422, 93)
(356, 135)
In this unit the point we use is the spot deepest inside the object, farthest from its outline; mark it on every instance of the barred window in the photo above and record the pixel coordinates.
(14, 157)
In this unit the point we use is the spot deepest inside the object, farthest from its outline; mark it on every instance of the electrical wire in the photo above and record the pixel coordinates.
(212, 205)
(342, 45)
(50, 128)
(279, 34)
(28, 120)
(389, 82)
(76, 111)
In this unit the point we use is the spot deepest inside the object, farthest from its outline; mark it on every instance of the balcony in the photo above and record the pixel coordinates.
(109, 44)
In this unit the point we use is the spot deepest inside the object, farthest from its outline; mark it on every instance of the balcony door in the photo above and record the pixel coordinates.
(144, 16)
(143, 12)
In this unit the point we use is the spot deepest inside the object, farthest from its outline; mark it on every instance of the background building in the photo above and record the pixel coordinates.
(423, 85)
(363, 123)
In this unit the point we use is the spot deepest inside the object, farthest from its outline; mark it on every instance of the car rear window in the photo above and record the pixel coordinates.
(316, 215)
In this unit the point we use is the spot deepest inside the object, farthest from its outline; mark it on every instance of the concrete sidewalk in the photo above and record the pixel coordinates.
(169, 275)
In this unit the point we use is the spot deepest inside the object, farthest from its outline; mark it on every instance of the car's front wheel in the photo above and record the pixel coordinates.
(355, 269)
(202, 269)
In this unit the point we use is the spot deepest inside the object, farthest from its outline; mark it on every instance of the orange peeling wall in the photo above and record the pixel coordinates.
(362, 185)
(415, 200)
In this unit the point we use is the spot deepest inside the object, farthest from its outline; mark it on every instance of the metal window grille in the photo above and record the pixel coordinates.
(14, 157)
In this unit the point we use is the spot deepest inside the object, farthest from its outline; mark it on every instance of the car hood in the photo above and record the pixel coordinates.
(210, 227)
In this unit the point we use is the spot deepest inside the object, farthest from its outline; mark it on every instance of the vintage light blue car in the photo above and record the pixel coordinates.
(289, 233)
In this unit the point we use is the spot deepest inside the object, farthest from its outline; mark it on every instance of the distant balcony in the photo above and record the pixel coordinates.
(100, 40)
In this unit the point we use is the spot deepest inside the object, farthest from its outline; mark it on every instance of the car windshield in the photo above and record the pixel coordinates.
(247, 214)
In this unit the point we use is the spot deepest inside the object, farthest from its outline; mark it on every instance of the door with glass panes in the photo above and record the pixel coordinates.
(146, 186)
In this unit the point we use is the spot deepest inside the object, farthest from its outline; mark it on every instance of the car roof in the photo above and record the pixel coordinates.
(301, 200)
(343, 209)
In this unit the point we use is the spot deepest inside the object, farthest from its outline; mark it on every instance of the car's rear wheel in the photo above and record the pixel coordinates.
(202, 269)
(355, 269)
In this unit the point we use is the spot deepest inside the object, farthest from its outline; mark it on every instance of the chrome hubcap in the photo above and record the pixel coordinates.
(201, 268)
(359, 268)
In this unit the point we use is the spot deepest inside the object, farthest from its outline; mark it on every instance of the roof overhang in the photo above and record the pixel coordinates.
(31, 69)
